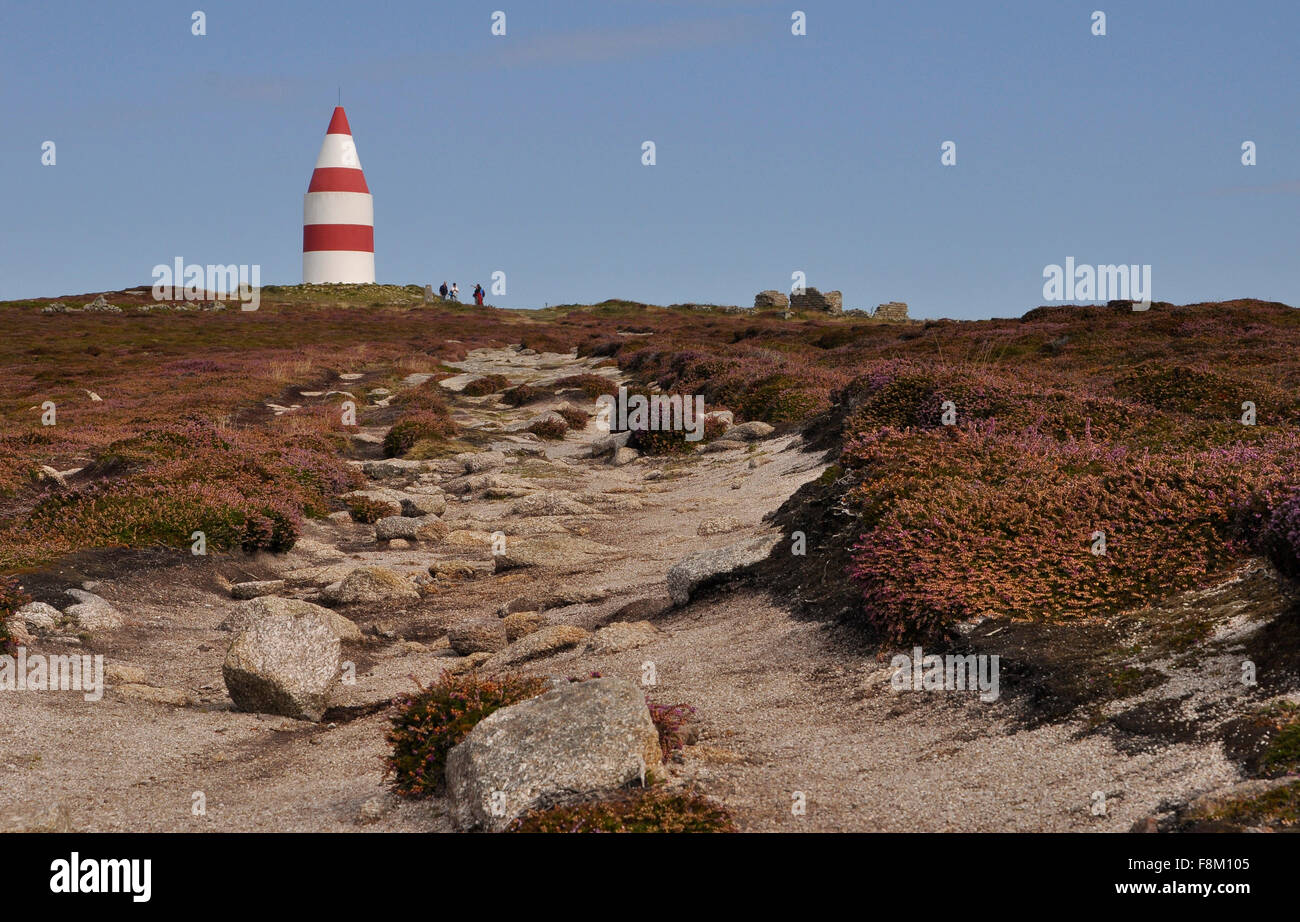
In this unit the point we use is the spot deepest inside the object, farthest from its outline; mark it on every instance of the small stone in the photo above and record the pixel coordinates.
(544, 642)
(92, 613)
(477, 635)
(419, 505)
(693, 572)
(245, 614)
(561, 552)
(718, 525)
(451, 570)
(576, 740)
(466, 663)
(120, 674)
(39, 616)
(749, 432)
(478, 461)
(373, 809)
(252, 590)
(173, 697)
(522, 623)
(623, 635)
(550, 502)
(375, 584)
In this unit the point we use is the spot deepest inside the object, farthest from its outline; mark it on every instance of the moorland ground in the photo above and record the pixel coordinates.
(950, 481)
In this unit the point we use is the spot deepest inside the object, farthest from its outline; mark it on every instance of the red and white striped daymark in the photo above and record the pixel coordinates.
(338, 215)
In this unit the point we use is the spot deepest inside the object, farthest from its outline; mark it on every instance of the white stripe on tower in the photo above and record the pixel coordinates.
(338, 213)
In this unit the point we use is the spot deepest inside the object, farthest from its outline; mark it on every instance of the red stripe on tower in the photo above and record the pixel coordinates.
(338, 217)
(358, 237)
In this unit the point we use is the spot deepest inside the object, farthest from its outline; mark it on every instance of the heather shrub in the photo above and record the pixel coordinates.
(969, 521)
(416, 427)
(642, 810)
(488, 384)
(591, 385)
(367, 511)
(522, 394)
(1184, 389)
(549, 427)
(424, 398)
(243, 489)
(577, 419)
(1276, 532)
(660, 441)
(774, 399)
(669, 720)
(434, 719)
(543, 339)
(231, 516)
(600, 347)
(12, 598)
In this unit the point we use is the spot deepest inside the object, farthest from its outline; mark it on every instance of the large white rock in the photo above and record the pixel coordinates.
(580, 739)
(550, 502)
(749, 432)
(247, 613)
(39, 616)
(424, 528)
(690, 573)
(92, 613)
(375, 584)
(284, 664)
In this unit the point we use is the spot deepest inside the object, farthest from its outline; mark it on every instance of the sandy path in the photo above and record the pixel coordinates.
(784, 705)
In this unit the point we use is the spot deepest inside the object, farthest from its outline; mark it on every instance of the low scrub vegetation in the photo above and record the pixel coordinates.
(487, 384)
(12, 598)
(434, 719)
(591, 385)
(670, 720)
(577, 419)
(170, 486)
(552, 428)
(644, 810)
(523, 394)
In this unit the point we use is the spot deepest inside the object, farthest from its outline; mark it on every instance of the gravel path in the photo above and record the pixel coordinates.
(786, 707)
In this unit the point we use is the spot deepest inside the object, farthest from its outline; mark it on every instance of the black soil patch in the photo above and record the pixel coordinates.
(97, 564)
(1275, 651)
(1246, 739)
(343, 714)
(815, 585)
(1057, 670)
(1152, 722)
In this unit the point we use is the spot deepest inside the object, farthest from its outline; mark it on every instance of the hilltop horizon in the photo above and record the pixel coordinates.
(418, 288)
(523, 153)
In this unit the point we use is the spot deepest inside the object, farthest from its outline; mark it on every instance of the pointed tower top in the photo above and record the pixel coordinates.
(338, 168)
(339, 123)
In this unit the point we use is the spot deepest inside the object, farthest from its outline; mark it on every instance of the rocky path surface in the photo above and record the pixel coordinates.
(787, 711)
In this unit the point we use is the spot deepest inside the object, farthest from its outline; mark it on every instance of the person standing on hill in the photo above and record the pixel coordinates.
(455, 292)
(442, 291)
(478, 295)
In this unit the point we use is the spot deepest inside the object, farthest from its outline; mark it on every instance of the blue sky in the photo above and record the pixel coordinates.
(776, 153)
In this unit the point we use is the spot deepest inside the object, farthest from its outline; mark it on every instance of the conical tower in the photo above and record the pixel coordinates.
(338, 213)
